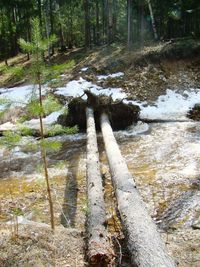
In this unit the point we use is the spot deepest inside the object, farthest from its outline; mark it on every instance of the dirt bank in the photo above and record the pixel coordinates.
(148, 73)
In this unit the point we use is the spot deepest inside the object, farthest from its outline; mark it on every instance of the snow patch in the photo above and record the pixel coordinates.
(19, 95)
(114, 75)
(8, 126)
(171, 106)
(76, 88)
(50, 119)
(84, 69)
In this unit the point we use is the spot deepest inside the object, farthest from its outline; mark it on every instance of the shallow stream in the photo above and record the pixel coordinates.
(164, 159)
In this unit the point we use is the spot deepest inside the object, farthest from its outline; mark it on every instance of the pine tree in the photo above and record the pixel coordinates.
(37, 48)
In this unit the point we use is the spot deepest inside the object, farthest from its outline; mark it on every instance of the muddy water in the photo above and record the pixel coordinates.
(164, 159)
(165, 164)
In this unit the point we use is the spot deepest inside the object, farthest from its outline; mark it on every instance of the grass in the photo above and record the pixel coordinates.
(17, 70)
(61, 68)
(12, 74)
(58, 129)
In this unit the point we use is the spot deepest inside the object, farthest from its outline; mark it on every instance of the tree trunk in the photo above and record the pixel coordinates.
(100, 251)
(130, 23)
(106, 20)
(44, 158)
(110, 22)
(153, 21)
(87, 24)
(114, 19)
(70, 38)
(142, 25)
(144, 241)
(39, 9)
(51, 23)
(97, 23)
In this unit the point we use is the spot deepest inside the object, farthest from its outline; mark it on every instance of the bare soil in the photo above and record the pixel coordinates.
(36, 245)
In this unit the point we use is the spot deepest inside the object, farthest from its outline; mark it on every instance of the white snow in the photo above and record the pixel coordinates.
(172, 105)
(50, 119)
(19, 95)
(76, 88)
(34, 123)
(84, 69)
(113, 75)
(8, 126)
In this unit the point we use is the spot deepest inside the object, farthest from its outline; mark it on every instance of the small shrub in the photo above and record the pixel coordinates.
(58, 129)
(60, 68)
(25, 131)
(16, 72)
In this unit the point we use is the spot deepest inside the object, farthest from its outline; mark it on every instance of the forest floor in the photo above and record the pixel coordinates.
(148, 73)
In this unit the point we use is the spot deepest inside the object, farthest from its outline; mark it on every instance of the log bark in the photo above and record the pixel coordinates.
(100, 252)
(144, 241)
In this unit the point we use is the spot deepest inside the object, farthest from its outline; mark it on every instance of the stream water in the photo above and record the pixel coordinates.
(164, 159)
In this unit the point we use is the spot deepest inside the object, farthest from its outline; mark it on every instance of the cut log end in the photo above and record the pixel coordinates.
(100, 259)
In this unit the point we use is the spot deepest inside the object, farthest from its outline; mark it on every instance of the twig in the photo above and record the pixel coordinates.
(120, 250)
(67, 221)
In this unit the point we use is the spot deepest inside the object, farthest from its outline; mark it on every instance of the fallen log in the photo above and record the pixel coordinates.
(144, 242)
(100, 252)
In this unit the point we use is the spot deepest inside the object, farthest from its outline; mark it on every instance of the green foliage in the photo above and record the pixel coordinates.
(60, 165)
(23, 118)
(34, 109)
(39, 168)
(61, 68)
(17, 211)
(58, 129)
(10, 139)
(37, 48)
(38, 45)
(5, 101)
(3, 69)
(51, 146)
(50, 104)
(16, 72)
(5, 105)
(54, 71)
(25, 131)
(30, 146)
